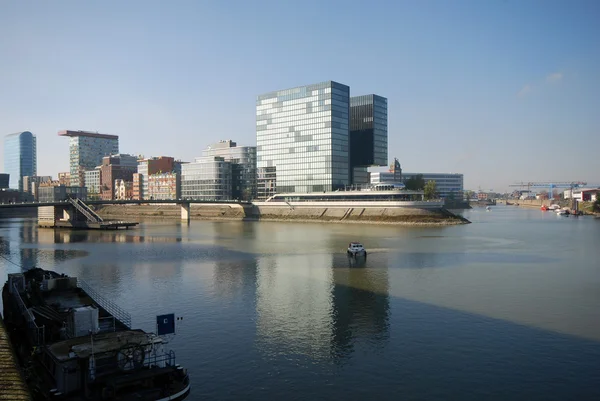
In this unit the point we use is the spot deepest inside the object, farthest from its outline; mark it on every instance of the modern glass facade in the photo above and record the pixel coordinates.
(207, 178)
(368, 135)
(302, 137)
(243, 167)
(92, 182)
(86, 150)
(20, 157)
(445, 183)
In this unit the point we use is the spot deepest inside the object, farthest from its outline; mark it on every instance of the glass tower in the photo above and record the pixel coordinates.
(302, 138)
(243, 167)
(86, 150)
(20, 157)
(368, 135)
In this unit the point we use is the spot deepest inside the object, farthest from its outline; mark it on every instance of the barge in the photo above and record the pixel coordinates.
(74, 345)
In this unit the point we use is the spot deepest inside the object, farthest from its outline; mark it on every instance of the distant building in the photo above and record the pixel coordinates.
(368, 136)
(136, 187)
(123, 189)
(64, 178)
(4, 179)
(86, 151)
(93, 182)
(164, 186)
(447, 185)
(60, 192)
(150, 166)
(31, 184)
(20, 157)
(243, 167)
(116, 167)
(583, 194)
(207, 178)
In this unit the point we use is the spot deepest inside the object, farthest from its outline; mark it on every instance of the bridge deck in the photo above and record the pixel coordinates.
(12, 385)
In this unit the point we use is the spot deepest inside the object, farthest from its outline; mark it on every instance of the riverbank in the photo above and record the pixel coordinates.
(399, 216)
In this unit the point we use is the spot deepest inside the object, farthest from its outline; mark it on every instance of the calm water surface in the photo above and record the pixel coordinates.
(506, 308)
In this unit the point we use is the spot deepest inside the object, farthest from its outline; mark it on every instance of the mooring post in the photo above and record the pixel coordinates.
(185, 212)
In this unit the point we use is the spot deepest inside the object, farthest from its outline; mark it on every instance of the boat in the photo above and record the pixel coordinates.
(562, 212)
(544, 208)
(76, 345)
(487, 208)
(554, 207)
(356, 249)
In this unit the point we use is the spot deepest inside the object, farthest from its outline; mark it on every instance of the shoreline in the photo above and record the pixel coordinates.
(404, 217)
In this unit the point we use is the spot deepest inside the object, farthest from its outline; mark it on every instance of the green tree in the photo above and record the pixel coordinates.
(597, 203)
(430, 190)
(415, 183)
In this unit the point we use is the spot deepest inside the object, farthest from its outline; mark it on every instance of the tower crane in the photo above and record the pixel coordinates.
(550, 185)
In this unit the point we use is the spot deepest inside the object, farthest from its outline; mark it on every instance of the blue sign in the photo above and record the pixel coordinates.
(165, 324)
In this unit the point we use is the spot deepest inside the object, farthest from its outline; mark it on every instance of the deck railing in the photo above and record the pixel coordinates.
(109, 306)
(37, 333)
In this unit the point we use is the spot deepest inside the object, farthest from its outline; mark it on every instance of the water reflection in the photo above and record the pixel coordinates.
(235, 277)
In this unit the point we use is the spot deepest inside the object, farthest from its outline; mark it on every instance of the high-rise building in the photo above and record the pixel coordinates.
(20, 157)
(86, 150)
(302, 137)
(368, 136)
(93, 183)
(207, 178)
(243, 167)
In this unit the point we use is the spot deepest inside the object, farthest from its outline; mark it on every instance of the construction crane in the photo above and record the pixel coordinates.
(550, 185)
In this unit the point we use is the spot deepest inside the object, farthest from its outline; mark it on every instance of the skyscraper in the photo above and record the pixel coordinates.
(368, 136)
(20, 157)
(86, 150)
(302, 137)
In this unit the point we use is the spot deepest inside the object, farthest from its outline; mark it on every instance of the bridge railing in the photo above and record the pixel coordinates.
(108, 305)
(37, 333)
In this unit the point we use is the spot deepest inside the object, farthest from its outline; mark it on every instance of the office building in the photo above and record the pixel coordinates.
(64, 178)
(448, 185)
(113, 168)
(49, 193)
(368, 136)
(93, 183)
(207, 178)
(31, 184)
(4, 179)
(150, 166)
(302, 137)
(243, 167)
(86, 150)
(20, 157)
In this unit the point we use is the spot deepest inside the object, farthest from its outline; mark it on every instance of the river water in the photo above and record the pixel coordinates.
(506, 308)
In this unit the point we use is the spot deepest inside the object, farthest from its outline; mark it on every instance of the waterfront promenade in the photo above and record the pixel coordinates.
(12, 385)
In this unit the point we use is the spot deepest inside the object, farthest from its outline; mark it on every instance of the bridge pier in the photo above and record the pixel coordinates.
(185, 212)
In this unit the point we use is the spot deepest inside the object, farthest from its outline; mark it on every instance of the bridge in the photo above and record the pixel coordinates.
(74, 213)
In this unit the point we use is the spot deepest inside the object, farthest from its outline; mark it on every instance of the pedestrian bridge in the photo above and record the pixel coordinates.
(75, 213)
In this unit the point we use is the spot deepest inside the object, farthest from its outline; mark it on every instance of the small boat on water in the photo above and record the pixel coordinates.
(562, 212)
(487, 208)
(77, 345)
(544, 208)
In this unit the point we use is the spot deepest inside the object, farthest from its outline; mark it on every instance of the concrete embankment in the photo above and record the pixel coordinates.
(12, 385)
(408, 216)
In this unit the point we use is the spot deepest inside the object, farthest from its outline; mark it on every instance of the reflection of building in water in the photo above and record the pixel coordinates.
(293, 303)
(360, 308)
(236, 278)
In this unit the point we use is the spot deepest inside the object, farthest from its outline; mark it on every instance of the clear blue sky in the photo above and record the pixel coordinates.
(501, 91)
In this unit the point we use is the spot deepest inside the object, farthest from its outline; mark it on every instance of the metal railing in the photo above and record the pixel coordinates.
(37, 333)
(85, 210)
(109, 306)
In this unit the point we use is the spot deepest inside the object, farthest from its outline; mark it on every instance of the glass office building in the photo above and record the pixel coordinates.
(20, 157)
(368, 136)
(207, 178)
(86, 150)
(243, 167)
(302, 138)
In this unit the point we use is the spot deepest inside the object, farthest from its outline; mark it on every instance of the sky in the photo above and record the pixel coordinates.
(502, 91)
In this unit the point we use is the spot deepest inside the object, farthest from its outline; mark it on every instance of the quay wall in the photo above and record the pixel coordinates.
(12, 385)
(379, 215)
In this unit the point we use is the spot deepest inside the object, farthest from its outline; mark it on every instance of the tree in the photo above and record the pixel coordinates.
(430, 190)
(415, 183)
(597, 203)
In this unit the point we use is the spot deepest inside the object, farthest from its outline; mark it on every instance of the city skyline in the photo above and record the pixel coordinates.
(492, 90)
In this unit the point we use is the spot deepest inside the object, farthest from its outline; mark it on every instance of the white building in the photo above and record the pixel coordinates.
(583, 194)
(92, 181)
(446, 183)
(123, 189)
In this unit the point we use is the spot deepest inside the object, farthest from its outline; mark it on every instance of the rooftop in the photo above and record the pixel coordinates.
(86, 133)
